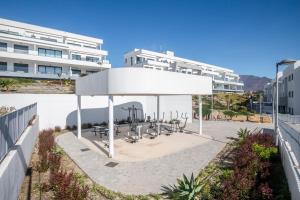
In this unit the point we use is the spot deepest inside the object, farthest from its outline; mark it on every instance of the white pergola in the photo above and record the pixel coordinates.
(138, 82)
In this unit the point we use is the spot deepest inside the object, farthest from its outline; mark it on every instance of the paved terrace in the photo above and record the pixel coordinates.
(147, 176)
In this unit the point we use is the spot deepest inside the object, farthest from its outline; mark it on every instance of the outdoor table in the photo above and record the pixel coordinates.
(100, 129)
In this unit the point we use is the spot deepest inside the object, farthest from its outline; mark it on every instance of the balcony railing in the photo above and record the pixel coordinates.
(13, 33)
(100, 62)
(156, 63)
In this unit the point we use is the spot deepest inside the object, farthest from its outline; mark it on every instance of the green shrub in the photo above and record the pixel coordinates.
(229, 113)
(57, 129)
(246, 113)
(7, 83)
(263, 152)
(243, 133)
(187, 189)
(206, 111)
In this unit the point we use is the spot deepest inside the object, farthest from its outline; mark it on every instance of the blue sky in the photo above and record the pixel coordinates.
(246, 36)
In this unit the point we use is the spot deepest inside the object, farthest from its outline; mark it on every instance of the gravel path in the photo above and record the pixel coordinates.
(145, 177)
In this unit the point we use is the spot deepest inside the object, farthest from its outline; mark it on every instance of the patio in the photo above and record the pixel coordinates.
(143, 149)
(143, 167)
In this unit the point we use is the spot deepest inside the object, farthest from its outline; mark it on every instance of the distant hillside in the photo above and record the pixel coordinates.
(254, 83)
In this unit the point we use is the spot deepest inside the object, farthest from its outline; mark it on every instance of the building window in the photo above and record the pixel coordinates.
(3, 66)
(76, 57)
(49, 53)
(3, 46)
(126, 60)
(76, 71)
(21, 49)
(18, 67)
(49, 69)
(138, 60)
(92, 59)
(131, 61)
(292, 77)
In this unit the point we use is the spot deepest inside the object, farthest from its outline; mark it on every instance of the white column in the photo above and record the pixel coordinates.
(157, 115)
(78, 116)
(35, 68)
(200, 114)
(212, 105)
(111, 125)
(70, 71)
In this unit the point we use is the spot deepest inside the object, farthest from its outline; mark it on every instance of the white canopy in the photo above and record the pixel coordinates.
(142, 81)
(139, 82)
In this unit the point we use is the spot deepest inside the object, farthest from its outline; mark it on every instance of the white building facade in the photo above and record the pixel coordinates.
(224, 80)
(37, 52)
(289, 90)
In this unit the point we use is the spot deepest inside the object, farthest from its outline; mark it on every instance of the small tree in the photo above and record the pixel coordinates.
(246, 113)
(229, 113)
(206, 111)
(7, 83)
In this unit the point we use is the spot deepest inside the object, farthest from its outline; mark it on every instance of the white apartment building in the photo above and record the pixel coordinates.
(33, 51)
(224, 80)
(268, 92)
(289, 90)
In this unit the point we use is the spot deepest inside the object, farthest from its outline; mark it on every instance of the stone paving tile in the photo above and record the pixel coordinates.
(148, 176)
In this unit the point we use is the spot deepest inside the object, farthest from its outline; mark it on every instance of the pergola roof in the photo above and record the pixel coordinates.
(141, 81)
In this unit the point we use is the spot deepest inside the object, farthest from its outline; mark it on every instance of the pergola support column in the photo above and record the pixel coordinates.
(157, 115)
(111, 125)
(200, 114)
(78, 116)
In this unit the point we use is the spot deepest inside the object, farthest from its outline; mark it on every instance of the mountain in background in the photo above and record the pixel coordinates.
(254, 83)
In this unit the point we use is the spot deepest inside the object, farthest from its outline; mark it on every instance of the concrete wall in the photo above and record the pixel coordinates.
(290, 157)
(14, 165)
(61, 109)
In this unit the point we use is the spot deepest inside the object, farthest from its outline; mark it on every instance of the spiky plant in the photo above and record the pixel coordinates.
(186, 189)
(243, 133)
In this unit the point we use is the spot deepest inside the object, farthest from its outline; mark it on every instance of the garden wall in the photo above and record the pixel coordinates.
(61, 109)
(290, 156)
(13, 166)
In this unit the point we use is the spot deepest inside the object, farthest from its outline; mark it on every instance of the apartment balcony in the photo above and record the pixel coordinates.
(33, 57)
(220, 89)
(156, 63)
(227, 88)
(15, 36)
(26, 38)
(224, 81)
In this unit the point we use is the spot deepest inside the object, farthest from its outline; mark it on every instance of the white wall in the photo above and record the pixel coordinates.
(13, 167)
(60, 109)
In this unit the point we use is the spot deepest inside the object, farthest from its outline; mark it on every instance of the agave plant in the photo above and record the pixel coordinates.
(243, 133)
(187, 189)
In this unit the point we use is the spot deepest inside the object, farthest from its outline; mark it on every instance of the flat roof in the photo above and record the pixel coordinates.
(31, 27)
(142, 82)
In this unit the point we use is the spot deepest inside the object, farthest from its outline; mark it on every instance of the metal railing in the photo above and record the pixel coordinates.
(12, 125)
(294, 119)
